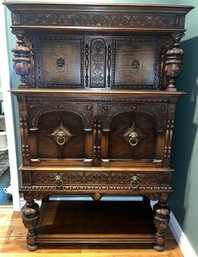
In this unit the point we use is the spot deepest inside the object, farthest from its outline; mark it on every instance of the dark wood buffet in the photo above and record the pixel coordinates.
(97, 101)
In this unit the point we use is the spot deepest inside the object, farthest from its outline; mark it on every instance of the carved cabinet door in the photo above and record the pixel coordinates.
(59, 132)
(132, 134)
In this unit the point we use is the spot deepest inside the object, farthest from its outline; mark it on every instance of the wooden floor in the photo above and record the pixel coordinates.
(13, 243)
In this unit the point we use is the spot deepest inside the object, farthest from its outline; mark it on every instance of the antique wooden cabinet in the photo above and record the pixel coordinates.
(97, 102)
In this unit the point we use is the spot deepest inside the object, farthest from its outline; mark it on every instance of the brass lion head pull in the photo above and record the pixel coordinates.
(133, 138)
(61, 137)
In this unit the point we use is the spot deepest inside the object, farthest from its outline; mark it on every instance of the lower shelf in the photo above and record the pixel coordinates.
(96, 222)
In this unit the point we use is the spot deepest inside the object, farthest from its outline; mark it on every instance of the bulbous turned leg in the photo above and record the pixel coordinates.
(161, 220)
(30, 217)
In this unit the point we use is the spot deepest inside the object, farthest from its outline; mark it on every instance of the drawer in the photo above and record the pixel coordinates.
(97, 180)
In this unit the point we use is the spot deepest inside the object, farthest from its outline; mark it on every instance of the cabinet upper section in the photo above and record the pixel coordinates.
(98, 46)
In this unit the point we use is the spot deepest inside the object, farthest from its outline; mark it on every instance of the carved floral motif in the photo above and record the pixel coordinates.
(99, 20)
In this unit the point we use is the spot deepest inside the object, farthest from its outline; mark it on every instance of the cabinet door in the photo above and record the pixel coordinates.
(132, 134)
(59, 61)
(60, 132)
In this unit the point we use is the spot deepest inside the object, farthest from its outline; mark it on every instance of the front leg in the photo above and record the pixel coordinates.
(161, 220)
(30, 217)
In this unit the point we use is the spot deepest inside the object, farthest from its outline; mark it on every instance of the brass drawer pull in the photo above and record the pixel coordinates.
(134, 182)
(58, 180)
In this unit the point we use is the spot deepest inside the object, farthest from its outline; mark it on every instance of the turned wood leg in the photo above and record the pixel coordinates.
(161, 220)
(30, 217)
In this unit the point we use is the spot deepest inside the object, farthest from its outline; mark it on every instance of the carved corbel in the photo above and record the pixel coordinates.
(174, 61)
(21, 59)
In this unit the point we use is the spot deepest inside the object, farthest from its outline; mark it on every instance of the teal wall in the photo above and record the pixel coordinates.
(185, 146)
(184, 200)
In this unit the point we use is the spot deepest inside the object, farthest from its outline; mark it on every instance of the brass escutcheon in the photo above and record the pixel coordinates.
(60, 62)
(135, 64)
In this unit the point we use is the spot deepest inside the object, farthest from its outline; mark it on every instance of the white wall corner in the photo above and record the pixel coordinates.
(181, 238)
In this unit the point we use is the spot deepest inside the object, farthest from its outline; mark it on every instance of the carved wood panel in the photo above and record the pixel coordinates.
(135, 62)
(59, 61)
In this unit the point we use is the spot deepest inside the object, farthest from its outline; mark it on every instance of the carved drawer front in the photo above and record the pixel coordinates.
(98, 180)
(58, 61)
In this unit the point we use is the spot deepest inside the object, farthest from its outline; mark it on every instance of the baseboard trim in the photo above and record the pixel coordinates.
(181, 238)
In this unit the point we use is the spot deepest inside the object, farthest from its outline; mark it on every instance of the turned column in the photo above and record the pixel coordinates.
(30, 217)
(161, 220)
(174, 61)
(21, 59)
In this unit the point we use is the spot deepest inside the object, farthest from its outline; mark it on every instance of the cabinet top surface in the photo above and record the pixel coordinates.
(99, 4)
(95, 6)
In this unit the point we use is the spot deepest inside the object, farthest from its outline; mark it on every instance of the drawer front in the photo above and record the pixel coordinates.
(98, 180)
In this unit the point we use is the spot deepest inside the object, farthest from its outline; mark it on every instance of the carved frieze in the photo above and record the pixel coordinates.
(98, 20)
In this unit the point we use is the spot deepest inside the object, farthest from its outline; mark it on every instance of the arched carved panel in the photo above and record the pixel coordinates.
(39, 105)
(157, 111)
(98, 63)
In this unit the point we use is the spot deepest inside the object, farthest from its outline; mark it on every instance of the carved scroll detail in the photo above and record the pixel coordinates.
(98, 58)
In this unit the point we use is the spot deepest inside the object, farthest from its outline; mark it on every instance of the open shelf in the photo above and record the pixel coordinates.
(95, 222)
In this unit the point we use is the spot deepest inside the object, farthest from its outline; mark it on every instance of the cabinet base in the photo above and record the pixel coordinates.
(96, 222)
